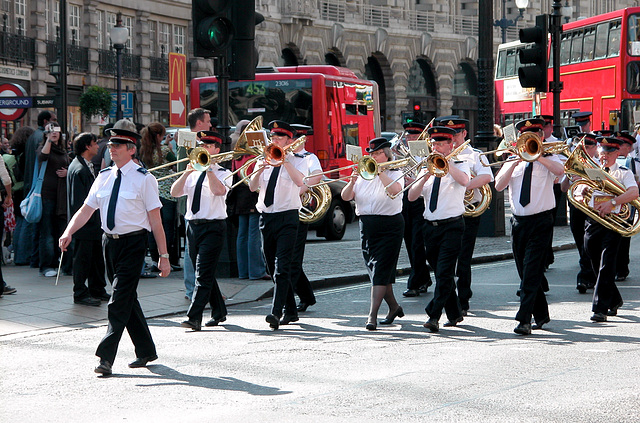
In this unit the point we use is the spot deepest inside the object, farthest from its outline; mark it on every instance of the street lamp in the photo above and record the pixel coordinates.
(505, 23)
(119, 36)
(567, 11)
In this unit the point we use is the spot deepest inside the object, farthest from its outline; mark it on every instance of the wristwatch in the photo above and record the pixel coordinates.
(164, 255)
(614, 202)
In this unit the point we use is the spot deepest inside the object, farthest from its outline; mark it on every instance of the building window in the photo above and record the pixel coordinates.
(74, 23)
(128, 22)
(101, 37)
(20, 16)
(153, 38)
(164, 33)
(178, 39)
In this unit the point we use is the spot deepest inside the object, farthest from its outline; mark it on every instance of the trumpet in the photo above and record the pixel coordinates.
(200, 160)
(529, 147)
(436, 163)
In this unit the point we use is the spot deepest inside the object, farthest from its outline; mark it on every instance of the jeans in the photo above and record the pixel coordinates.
(250, 259)
(189, 271)
(22, 238)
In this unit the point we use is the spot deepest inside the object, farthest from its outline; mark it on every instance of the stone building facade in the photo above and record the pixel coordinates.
(421, 52)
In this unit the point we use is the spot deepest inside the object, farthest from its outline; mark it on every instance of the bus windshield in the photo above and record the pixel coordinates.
(284, 99)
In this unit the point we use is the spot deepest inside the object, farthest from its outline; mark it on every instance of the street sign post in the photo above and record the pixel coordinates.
(177, 89)
(127, 105)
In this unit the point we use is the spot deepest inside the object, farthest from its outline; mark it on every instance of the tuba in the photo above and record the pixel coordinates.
(627, 221)
(475, 210)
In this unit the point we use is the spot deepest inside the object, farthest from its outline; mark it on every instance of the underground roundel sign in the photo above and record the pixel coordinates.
(14, 102)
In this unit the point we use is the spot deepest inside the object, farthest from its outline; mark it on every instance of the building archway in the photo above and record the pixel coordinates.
(291, 56)
(422, 88)
(465, 94)
(378, 69)
(334, 57)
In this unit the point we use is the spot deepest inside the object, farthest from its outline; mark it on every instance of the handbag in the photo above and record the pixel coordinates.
(31, 206)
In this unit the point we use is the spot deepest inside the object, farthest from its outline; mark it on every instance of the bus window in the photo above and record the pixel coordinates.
(633, 35)
(576, 47)
(502, 64)
(633, 77)
(589, 43)
(362, 109)
(350, 134)
(614, 39)
(565, 49)
(351, 109)
(602, 34)
(511, 63)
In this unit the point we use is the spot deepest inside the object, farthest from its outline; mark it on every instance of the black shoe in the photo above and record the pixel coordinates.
(175, 268)
(88, 301)
(432, 325)
(541, 323)
(302, 307)
(104, 368)
(216, 322)
(8, 290)
(370, 326)
(423, 289)
(582, 288)
(614, 309)
(142, 361)
(620, 278)
(389, 320)
(286, 319)
(191, 324)
(523, 329)
(411, 293)
(148, 275)
(273, 321)
(103, 297)
(453, 322)
(464, 313)
(599, 317)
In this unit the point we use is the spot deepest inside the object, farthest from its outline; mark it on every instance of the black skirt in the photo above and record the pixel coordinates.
(381, 238)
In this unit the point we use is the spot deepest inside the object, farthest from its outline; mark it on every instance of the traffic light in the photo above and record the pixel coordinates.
(417, 111)
(244, 56)
(534, 74)
(212, 27)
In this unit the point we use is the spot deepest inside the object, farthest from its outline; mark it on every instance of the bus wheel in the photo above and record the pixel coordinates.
(335, 222)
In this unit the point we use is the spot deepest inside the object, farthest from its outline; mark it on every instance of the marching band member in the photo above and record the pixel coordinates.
(279, 202)
(443, 227)
(381, 229)
(483, 176)
(586, 279)
(132, 192)
(413, 214)
(601, 244)
(531, 198)
(309, 164)
(624, 159)
(583, 120)
(206, 214)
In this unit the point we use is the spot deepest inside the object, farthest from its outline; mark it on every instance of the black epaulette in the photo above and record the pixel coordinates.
(458, 161)
(105, 169)
(623, 168)
(477, 150)
(142, 170)
(547, 155)
(306, 153)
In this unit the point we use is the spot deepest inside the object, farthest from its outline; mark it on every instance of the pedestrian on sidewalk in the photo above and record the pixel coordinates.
(22, 236)
(7, 201)
(127, 196)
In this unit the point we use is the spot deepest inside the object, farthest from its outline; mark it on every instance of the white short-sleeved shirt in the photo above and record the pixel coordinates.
(372, 199)
(450, 195)
(542, 198)
(306, 162)
(138, 194)
(474, 158)
(211, 206)
(287, 193)
(623, 175)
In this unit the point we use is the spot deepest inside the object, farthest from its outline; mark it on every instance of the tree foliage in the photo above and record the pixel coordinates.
(95, 101)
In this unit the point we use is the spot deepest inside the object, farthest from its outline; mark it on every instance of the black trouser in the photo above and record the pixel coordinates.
(463, 269)
(278, 239)
(413, 214)
(301, 284)
(205, 244)
(622, 263)
(88, 265)
(601, 245)
(123, 259)
(577, 222)
(530, 239)
(442, 244)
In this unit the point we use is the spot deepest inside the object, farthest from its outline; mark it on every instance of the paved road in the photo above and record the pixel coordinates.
(329, 369)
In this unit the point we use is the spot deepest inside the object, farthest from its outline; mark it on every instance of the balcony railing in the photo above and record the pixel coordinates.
(159, 67)
(305, 9)
(465, 25)
(77, 56)
(17, 48)
(107, 64)
(333, 10)
(376, 15)
(421, 21)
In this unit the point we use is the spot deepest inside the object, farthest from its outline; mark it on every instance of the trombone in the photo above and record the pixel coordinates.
(529, 147)
(367, 169)
(436, 163)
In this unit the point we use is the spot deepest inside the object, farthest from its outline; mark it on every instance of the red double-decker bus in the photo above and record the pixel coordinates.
(600, 70)
(340, 108)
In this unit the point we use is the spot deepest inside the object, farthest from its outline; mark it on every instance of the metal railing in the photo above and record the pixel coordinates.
(159, 67)
(17, 48)
(421, 21)
(465, 25)
(77, 56)
(107, 64)
(333, 10)
(376, 15)
(306, 9)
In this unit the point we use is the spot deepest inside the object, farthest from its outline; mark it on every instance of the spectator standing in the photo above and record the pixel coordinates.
(6, 202)
(102, 148)
(22, 236)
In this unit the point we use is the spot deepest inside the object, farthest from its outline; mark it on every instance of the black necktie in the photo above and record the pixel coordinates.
(435, 190)
(271, 187)
(195, 204)
(606, 169)
(111, 211)
(525, 191)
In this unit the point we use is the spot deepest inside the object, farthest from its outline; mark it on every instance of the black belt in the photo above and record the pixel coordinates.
(201, 221)
(442, 221)
(135, 233)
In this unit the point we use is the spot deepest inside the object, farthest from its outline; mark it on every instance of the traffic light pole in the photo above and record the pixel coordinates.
(222, 73)
(556, 84)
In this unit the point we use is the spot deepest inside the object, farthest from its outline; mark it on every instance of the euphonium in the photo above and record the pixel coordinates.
(627, 221)
(475, 210)
(529, 147)
(315, 204)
